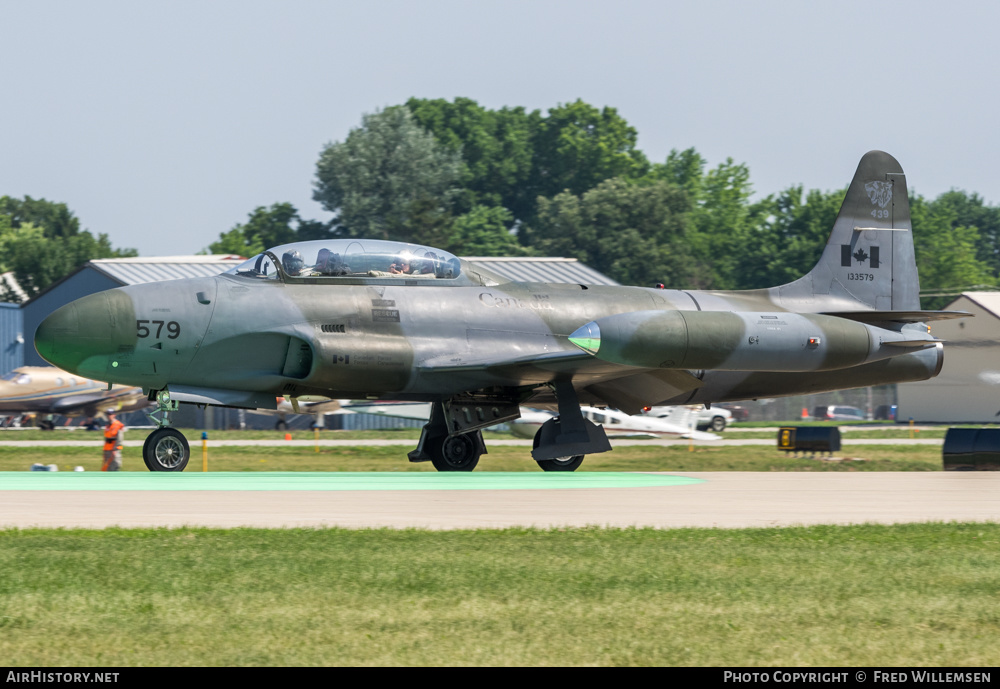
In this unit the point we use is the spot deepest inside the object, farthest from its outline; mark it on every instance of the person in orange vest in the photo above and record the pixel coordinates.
(113, 443)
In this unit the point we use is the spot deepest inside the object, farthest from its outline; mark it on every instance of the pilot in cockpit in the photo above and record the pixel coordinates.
(401, 266)
(328, 263)
(292, 262)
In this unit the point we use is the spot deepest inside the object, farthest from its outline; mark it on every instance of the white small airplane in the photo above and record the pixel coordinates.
(318, 407)
(677, 421)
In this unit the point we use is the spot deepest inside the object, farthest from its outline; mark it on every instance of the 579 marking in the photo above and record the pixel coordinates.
(143, 328)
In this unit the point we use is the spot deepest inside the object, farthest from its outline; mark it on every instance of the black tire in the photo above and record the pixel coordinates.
(560, 463)
(455, 453)
(718, 424)
(166, 449)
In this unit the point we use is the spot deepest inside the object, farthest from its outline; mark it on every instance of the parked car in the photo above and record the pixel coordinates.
(839, 412)
(886, 412)
(740, 413)
(715, 419)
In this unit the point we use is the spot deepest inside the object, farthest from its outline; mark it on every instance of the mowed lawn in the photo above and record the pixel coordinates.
(861, 595)
(500, 458)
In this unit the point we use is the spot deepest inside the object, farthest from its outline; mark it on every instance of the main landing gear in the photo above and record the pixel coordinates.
(561, 443)
(447, 452)
(165, 449)
(452, 439)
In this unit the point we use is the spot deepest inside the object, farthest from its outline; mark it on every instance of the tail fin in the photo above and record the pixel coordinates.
(868, 262)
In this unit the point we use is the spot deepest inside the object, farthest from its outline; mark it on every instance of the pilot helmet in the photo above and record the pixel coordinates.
(292, 262)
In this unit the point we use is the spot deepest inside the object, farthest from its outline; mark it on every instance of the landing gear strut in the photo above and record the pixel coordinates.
(447, 452)
(165, 449)
(569, 463)
(561, 443)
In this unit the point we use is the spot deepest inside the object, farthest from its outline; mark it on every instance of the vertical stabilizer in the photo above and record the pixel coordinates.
(868, 262)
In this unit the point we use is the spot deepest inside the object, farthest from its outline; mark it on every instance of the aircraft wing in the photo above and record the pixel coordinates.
(453, 364)
(90, 403)
(626, 388)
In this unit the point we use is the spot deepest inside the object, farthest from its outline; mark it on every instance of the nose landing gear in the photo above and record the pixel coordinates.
(165, 449)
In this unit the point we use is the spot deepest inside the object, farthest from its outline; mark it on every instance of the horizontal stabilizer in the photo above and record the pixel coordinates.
(898, 316)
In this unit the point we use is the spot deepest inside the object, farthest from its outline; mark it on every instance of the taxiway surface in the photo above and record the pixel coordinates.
(703, 499)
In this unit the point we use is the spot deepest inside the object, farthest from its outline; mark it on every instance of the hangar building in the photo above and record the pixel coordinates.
(968, 387)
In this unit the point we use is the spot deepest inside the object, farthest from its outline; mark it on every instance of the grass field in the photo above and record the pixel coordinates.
(919, 595)
(758, 430)
(499, 458)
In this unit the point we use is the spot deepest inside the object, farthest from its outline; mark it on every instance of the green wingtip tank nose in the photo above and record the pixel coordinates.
(587, 338)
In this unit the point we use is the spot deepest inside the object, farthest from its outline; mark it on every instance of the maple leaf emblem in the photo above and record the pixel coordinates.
(860, 256)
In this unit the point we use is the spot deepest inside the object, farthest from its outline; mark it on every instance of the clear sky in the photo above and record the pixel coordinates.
(164, 124)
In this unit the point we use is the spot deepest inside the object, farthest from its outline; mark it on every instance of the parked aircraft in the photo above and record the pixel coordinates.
(390, 320)
(318, 407)
(45, 390)
(672, 422)
(677, 422)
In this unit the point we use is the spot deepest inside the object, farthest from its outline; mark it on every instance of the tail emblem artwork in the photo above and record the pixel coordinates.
(376, 319)
(879, 192)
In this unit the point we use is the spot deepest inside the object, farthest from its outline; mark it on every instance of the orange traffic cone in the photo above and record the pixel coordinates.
(288, 436)
(805, 413)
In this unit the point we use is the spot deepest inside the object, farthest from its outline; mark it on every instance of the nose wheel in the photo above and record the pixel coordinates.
(165, 449)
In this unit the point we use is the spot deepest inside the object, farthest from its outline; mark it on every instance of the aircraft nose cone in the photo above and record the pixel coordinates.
(83, 336)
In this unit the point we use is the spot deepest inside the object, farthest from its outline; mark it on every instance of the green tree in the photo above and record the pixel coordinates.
(268, 227)
(720, 217)
(483, 232)
(969, 210)
(946, 254)
(41, 242)
(784, 236)
(55, 219)
(577, 147)
(495, 147)
(636, 234)
(377, 176)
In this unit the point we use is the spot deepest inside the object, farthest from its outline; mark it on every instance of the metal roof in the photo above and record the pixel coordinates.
(988, 300)
(139, 270)
(542, 269)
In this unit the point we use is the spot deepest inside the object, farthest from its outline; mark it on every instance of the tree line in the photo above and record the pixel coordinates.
(572, 182)
(41, 242)
(568, 182)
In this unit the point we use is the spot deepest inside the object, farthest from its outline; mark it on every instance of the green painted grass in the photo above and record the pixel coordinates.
(393, 458)
(335, 481)
(920, 595)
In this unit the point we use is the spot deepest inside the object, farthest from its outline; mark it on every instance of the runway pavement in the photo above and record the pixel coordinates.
(701, 499)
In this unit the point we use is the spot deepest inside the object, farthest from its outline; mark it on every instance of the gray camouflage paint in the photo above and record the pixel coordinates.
(241, 341)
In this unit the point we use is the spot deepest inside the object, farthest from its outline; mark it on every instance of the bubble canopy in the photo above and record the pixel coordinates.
(350, 258)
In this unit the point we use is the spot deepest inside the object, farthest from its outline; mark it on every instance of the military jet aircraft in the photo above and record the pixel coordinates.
(50, 391)
(362, 319)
